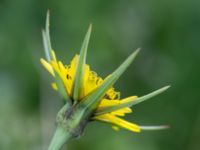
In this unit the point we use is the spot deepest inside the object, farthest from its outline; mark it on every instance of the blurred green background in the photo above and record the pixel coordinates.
(169, 34)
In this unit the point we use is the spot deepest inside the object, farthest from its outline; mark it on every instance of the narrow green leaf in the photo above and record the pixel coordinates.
(131, 103)
(149, 128)
(77, 87)
(95, 97)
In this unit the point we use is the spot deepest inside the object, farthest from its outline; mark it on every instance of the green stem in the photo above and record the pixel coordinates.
(60, 137)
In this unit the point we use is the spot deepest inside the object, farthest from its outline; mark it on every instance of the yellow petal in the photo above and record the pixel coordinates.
(112, 94)
(128, 99)
(54, 86)
(91, 81)
(70, 74)
(121, 112)
(109, 103)
(115, 128)
(53, 55)
(54, 64)
(48, 66)
(118, 122)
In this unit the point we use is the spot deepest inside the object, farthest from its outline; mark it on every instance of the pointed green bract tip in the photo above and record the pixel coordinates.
(137, 51)
(47, 18)
(46, 38)
(148, 96)
(90, 28)
(149, 128)
(166, 87)
(118, 72)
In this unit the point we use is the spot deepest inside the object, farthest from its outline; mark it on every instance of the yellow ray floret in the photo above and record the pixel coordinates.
(118, 122)
(47, 66)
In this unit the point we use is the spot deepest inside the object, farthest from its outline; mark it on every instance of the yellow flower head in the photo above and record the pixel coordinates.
(87, 95)
(91, 81)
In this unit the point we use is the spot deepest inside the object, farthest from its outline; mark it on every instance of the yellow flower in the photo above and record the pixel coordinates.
(88, 96)
(91, 81)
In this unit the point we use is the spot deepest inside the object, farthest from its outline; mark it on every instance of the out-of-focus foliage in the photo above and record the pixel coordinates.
(167, 31)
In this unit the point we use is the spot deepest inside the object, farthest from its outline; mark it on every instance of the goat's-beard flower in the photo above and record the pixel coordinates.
(89, 97)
